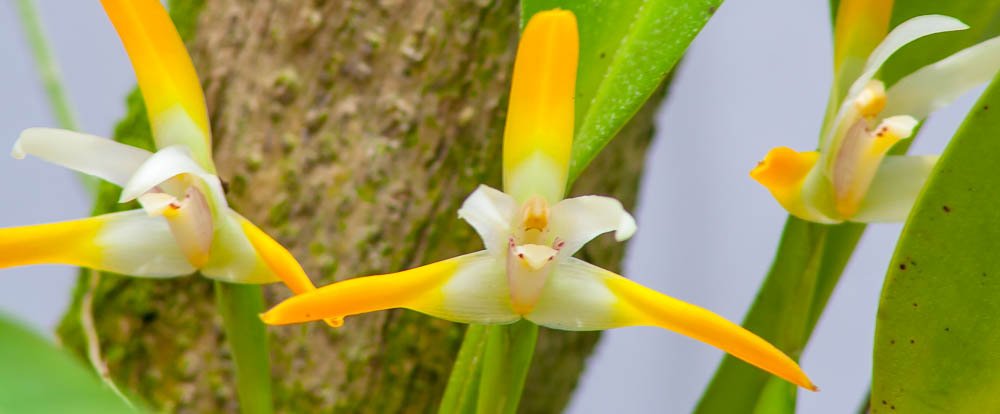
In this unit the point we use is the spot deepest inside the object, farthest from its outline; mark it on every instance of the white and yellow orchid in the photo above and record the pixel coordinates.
(531, 233)
(851, 177)
(185, 224)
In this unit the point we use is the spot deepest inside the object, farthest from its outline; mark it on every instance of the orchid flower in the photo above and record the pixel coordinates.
(530, 233)
(851, 177)
(185, 224)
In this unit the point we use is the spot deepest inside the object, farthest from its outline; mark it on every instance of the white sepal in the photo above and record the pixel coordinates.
(895, 188)
(936, 85)
(490, 212)
(233, 257)
(164, 165)
(576, 298)
(135, 244)
(902, 35)
(476, 292)
(101, 157)
(576, 221)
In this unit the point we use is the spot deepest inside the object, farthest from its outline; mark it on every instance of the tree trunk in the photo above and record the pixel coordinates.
(351, 131)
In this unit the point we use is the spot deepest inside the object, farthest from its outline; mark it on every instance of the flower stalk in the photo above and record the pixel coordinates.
(506, 361)
(48, 70)
(239, 306)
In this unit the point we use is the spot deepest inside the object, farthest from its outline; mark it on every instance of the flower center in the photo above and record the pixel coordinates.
(530, 251)
(188, 214)
(534, 220)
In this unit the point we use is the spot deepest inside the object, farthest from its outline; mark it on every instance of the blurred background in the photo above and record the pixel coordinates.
(755, 78)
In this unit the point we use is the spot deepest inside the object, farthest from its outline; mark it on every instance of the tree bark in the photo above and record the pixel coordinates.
(351, 131)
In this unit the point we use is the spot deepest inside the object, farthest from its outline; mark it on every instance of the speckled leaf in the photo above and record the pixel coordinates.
(626, 50)
(938, 327)
(37, 377)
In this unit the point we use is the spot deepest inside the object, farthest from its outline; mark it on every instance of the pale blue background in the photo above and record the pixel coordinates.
(755, 78)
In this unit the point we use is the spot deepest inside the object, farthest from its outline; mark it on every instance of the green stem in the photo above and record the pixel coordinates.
(463, 384)
(47, 67)
(506, 360)
(239, 306)
(48, 70)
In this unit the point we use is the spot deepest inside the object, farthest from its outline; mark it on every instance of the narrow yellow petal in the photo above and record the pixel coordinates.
(67, 242)
(128, 242)
(538, 135)
(645, 306)
(169, 83)
(280, 260)
(469, 288)
(282, 263)
(361, 295)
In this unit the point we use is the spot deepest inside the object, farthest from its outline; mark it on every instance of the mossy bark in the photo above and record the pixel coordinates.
(351, 131)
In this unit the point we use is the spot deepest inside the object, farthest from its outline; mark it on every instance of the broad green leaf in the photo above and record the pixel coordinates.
(38, 377)
(627, 48)
(938, 327)
(811, 257)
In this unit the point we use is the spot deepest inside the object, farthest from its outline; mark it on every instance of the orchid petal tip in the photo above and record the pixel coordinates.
(626, 228)
(267, 318)
(334, 322)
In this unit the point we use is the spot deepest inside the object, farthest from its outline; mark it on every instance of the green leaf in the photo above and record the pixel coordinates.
(627, 48)
(938, 330)
(38, 377)
(811, 257)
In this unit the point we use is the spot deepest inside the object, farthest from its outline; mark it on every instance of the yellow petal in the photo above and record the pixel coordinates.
(130, 243)
(860, 27)
(538, 136)
(648, 307)
(278, 258)
(783, 171)
(580, 296)
(281, 262)
(169, 83)
(469, 288)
